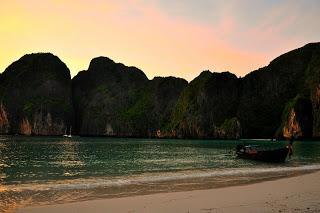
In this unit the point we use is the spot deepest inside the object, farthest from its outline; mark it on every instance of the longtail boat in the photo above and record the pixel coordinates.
(252, 153)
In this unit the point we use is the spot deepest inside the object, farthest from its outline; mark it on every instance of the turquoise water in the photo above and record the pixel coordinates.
(47, 170)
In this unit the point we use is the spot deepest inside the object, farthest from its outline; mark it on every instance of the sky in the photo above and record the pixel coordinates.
(161, 37)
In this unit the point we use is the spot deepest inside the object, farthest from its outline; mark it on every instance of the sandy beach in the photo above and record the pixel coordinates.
(292, 194)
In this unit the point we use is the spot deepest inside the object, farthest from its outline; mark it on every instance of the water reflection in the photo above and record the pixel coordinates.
(41, 170)
(72, 164)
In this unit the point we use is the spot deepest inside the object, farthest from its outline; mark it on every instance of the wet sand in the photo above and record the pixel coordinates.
(292, 194)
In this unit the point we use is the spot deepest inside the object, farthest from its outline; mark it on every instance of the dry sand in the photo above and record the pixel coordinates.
(293, 194)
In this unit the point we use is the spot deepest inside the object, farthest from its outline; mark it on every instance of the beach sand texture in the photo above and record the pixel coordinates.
(292, 194)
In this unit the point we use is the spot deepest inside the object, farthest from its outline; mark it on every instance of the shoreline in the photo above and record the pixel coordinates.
(293, 194)
(164, 138)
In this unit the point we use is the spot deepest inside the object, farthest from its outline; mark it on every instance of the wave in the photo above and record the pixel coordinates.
(152, 178)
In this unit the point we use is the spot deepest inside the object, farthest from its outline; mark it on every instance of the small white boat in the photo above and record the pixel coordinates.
(65, 133)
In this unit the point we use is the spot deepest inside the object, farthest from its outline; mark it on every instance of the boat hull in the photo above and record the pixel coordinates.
(273, 156)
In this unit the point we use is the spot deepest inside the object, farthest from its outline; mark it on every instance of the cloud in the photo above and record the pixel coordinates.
(161, 37)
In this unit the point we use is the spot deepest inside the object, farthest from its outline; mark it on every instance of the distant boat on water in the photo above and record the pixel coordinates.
(67, 135)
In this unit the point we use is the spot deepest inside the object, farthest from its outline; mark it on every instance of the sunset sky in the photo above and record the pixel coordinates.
(161, 37)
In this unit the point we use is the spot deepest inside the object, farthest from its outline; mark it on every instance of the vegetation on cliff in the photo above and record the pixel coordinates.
(207, 102)
(37, 96)
(266, 92)
(116, 100)
(297, 118)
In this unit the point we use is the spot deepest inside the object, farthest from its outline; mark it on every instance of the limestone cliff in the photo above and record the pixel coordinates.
(207, 102)
(266, 92)
(312, 82)
(315, 97)
(230, 129)
(297, 118)
(115, 100)
(36, 96)
(25, 127)
(109, 99)
(4, 122)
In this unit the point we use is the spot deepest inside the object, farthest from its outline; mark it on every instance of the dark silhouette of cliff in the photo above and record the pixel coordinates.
(37, 96)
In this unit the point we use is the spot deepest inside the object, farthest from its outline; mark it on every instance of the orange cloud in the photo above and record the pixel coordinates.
(135, 33)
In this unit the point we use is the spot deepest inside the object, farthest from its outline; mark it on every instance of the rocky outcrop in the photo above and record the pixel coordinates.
(313, 85)
(298, 119)
(36, 93)
(4, 122)
(230, 129)
(207, 102)
(292, 127)
(257, 101)
(266, 92)
(112, 99)
(282, 99)
(315, 98)
(165, 93)
(25, 127)
(115, 100)
(43, 124)
(109, 99)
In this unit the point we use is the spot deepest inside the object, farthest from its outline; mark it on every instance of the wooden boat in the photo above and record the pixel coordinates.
(252, 153)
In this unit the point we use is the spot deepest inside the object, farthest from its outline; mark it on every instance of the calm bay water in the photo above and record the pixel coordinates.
(47, 170)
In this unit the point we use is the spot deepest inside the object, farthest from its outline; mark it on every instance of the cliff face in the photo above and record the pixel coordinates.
(165, 93)
(297, 118)
(258, 104)
(267, 91)
(315, 97)
(36, 96)
(313, 84)
(208, 101)
(115, 100)
(4, 122)
(103, 93)
(230, 129)
(282, 99)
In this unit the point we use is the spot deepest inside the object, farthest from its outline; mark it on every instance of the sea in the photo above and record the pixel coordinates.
(51, 170)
